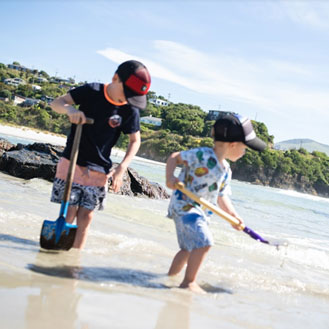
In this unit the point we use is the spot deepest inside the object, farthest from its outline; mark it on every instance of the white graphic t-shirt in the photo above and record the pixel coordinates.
(204, 176)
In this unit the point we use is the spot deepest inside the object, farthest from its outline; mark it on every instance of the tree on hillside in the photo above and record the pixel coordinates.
(207, 128)
(262, 132)
(25, 90)
(5, 93)
(184, 119)
(151, 95)
(151, 110)
(44, 74)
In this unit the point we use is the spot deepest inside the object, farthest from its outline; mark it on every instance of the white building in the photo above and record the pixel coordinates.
(14, 82)
(159, 102)
(152, 121)
(36, 87)
(18, 100)
(41, 79)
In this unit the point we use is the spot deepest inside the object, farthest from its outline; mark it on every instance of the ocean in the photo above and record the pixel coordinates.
(119, 280)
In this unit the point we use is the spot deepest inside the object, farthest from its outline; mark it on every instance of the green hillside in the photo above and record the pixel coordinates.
(308, 144)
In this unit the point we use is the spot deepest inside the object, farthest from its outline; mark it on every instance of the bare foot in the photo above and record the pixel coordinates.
(194, 287)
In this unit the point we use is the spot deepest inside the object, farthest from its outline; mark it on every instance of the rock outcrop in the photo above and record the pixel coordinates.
(274, 178)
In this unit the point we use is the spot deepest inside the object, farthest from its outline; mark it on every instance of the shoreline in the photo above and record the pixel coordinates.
(32, 134)
(55, 139)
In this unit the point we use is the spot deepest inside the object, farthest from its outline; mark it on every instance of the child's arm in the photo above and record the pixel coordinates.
(225, 203)
(63, 105)
(133, 147)
(172, 162)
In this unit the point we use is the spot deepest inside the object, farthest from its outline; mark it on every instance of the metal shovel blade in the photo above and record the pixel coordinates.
(57, 235)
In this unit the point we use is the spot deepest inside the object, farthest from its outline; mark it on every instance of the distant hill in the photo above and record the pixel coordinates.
(308, 144)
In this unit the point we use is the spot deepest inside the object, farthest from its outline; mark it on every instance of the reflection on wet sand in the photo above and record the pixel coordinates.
(53, 303)
(176, 313)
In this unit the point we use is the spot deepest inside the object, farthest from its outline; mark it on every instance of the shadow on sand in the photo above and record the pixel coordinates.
(15, 239)
(102, 274)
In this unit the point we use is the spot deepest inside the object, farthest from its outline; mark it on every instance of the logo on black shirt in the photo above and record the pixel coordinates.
(115, 121)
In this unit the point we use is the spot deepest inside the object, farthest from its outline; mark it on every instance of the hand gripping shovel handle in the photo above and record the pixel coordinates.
(232, 220)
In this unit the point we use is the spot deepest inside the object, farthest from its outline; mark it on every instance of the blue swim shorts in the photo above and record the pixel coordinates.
(193, 232)
(88, 197)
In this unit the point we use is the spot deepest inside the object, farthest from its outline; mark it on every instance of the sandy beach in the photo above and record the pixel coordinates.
(55, 139)
(32, 134)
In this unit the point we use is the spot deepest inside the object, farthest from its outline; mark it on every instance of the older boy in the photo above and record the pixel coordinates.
(206, 173)
(115, 109)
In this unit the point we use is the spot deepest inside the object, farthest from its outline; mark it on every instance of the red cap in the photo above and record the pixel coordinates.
(136, 82)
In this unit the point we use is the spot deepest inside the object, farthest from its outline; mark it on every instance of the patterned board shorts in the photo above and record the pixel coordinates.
(193, 232)
(88, 197)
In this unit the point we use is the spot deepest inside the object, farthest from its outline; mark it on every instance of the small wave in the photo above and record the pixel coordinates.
(303, 195)
(101, 243)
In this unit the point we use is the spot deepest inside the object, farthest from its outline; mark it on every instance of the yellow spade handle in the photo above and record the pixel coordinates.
(232, 220)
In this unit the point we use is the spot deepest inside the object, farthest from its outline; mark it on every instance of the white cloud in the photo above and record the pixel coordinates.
(188, 68)
(311, 13)
(268, 84)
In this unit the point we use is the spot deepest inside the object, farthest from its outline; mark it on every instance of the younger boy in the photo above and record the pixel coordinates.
(115, 109)
(206, 173)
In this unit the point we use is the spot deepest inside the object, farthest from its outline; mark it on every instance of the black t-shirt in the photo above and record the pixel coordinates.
(110, 120)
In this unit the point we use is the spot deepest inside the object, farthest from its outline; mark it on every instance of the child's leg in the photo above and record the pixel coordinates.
(193, 266)
(84, 218)
(178, 262)
(88, 198)
(71, 214)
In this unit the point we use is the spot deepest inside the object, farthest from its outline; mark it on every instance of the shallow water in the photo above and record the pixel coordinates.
(119, 280)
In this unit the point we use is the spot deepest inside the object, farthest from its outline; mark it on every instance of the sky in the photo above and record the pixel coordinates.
(264, 59)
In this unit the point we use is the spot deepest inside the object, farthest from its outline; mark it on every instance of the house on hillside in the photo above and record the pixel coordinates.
(14, 82)
(216, 114)
(36, 87)
(151, 120)
(30, 102)
(158, 102)
(25, 101)
(18, 100)
(41, 80)
(62, 81)
(47, 99)
(19, 68)
(4, 99)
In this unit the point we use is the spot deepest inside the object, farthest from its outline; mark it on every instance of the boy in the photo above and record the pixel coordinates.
(206, 173)
(115, 109)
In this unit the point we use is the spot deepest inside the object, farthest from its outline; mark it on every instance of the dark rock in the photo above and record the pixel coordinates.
(135, 185)
(32, 161)
(39, 160)
(5, 145)
(142, 186)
